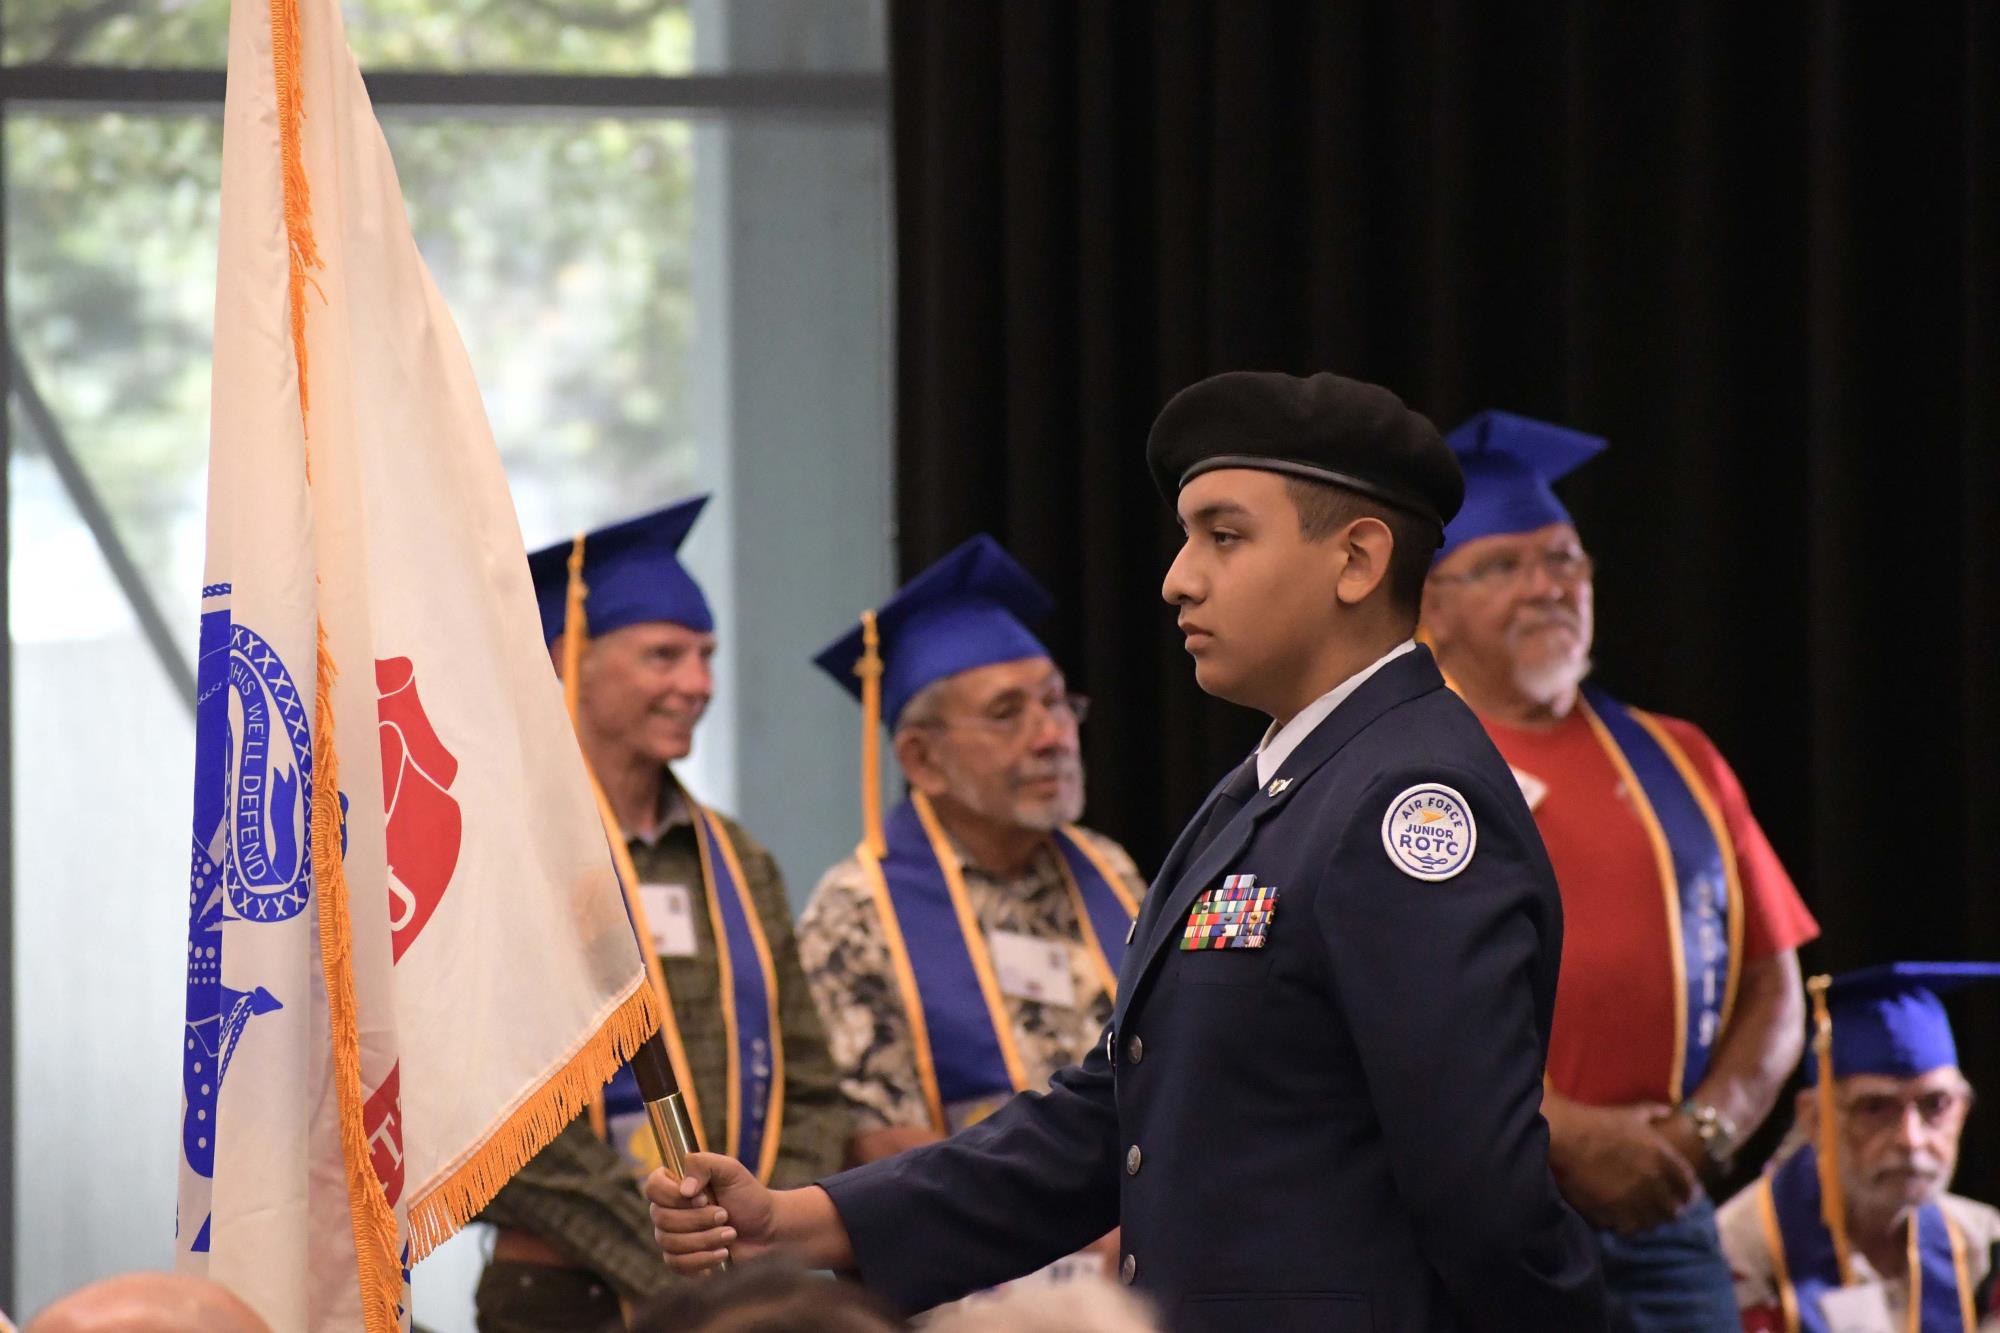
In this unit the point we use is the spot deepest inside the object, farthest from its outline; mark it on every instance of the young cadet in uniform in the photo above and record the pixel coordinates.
(1678, 1016)
(1317, 1105)
(573, 1237)
(970, 946)
(1855, 1230)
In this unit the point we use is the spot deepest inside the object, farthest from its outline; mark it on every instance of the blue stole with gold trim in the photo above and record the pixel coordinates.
(966, 1048)
(1807, 1267)
(753, 1042)
(1697, 863)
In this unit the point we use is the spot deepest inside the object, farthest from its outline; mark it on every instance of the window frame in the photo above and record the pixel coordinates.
(732, 96)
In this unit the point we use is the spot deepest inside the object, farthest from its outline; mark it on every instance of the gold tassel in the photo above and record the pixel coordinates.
(1832, 1199)
(869, 668)
(574, 633)
(303, 249)
(572, 664)
(374, 1224)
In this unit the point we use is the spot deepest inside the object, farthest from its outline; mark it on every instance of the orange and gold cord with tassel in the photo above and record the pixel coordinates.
(869, 668)
(379, 1270)
(303, 250)
(1832, 1199)
(575, 633)
(375, 1231)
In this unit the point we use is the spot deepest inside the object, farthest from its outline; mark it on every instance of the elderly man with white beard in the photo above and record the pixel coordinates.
(1679, 1010)
(1855, 1227)
(969, 948)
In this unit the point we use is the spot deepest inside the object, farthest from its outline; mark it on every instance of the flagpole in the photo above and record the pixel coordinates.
(666, 1109)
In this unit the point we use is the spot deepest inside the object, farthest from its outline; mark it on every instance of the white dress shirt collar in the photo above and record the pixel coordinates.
(1279, 742)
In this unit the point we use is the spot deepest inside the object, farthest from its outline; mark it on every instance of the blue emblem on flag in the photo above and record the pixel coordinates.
(250, 858)
(266, 741)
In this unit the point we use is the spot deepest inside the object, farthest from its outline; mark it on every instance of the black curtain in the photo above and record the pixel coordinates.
(1758, 246)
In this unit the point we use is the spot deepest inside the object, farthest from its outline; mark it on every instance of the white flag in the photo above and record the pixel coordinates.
(408, 958)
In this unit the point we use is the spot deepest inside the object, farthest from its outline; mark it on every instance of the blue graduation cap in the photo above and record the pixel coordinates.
(633, 572)
(1889, 1020)
(1510, 463)
(970, 609)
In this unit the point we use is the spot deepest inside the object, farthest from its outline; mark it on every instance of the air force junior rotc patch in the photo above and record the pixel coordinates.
(1428, 832)
(1235, 916)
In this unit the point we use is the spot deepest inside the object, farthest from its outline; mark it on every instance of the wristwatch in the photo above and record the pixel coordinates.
(1715, 1130)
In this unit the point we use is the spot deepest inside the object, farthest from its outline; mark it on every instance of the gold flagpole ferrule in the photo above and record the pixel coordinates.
(673, 1132)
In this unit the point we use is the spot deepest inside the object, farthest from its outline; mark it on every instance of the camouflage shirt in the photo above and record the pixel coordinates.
(848, 965)
(578, 1194)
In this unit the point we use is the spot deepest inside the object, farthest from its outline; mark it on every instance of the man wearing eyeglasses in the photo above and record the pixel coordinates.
(969, 948)
(1678, 1011)
(1880, 1141)
(1316, 1105)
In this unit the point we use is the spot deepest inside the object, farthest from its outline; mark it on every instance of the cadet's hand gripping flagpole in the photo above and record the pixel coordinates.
(659, 1065)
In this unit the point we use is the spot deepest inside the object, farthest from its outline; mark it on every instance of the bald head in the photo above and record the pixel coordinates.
(150, 1303)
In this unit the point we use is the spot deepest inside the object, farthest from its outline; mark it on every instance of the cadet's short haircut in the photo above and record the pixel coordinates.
(1325, 509)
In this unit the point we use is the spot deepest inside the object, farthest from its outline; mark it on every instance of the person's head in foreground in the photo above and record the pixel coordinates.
(150, 1303)
(764, 1296)
(1508, 607)
(1311, 509)
(1082, 1306)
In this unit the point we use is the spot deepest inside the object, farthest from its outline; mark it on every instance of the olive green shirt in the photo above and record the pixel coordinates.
(578, 1194)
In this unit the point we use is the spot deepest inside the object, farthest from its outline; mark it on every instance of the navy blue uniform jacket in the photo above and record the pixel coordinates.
(1340, 1130)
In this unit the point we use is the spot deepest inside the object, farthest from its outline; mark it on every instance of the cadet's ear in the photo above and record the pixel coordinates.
(1368, 544)
(916, 752)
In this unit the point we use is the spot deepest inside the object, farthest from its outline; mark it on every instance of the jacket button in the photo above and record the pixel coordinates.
(1135, 1050)
(1132, 1159)
(1128, 1272)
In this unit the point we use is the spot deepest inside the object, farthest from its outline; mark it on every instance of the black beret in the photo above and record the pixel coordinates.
(1324, 427)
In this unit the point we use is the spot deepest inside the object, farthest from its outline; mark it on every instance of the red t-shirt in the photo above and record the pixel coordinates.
(1613, 1038)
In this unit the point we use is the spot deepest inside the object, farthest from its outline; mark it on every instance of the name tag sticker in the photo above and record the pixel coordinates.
(1032, 969)
(1863, 1309)
(670, 916)
(1533, 789)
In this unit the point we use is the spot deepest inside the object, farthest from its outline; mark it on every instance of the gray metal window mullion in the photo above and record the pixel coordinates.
(832, 95)
(738, 95)
(8, 1113)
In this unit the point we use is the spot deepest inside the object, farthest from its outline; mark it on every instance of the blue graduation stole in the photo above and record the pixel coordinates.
(1807, 1265)
(964, 1041)
(1697, 865)
(754, 1044)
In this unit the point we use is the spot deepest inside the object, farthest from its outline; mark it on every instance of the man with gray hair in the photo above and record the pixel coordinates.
(970, 946)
